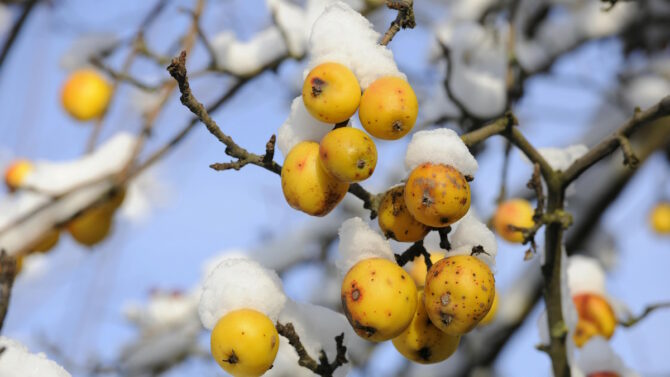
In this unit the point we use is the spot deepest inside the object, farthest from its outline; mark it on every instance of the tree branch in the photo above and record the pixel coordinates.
(323, 367)
(404, 19)
(412, 252)
(610, 144)
(648, 310)
(8, 270)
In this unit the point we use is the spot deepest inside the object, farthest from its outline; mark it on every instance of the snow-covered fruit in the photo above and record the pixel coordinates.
(660, 218)
(459, 292)
(422, 342)
(418, 269)
(244, 343)
(514, 212)
(331, 93)
(379, 299)
(348, 154)
(388, 108)
(395, 220)
(437, 195)
(86, 95)
(596, 317)
(307, 186)
(16, 173)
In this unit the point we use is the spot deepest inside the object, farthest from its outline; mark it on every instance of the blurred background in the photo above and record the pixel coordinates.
(584, 69)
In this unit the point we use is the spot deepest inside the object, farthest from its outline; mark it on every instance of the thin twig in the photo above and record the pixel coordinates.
(413, 252)
(324, 367)
(404, 19)
(648, 310)
(16, 29)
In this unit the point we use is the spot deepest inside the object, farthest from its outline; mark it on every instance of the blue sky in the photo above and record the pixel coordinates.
(76, 305)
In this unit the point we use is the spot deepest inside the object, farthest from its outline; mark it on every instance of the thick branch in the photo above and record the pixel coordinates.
(323, 367)
(610, 144)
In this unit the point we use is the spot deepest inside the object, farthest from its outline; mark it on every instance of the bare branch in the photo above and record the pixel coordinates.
(412, 252)
(8, 270)
(404, 19)
(648, 310)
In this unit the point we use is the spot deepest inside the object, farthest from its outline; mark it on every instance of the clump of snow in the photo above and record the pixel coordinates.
(5, 18)
(88, 45)
(344, 36)
(479, 63)
(585, 275)
(471, 232)
(357, 242)
(561, 158)
(440, 146)
(646, 90)
(164, 308)
(28, 215)
(598, 356)
(244, 58)
(300, 126)
(317, 327)
(58, 177)
(144, 194)
(16, 360)
(238, 283)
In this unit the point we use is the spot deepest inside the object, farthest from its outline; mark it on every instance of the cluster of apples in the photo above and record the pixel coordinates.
(88, 228)
(244, 343)
(316, 176)
(424, 315)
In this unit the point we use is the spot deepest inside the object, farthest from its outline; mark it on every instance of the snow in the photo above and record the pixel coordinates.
(585, 275)
(50, 178)
(646, 90)
(440, 146)
(479, 65)
(560, 158)
(344, 36)
(16, 360)
(5, 18)
(598, 356)
(300, 126)
(144, 194)
(358, 242)
(238, 283)
(83, 48)
(244, 58)
(163, 309)
(472, 232)
(317, 327)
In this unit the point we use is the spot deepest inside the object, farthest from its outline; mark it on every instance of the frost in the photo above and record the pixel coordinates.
(49, 178)
(585, 275)
(357, 242)
(479, 65)
(470, 233)
(238, 283)
(17, 361)
(441, 146)
(344, 36)
(300, 126)
(317, 327)
(598, 356)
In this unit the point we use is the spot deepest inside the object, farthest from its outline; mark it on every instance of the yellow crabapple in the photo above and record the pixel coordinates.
(331, 93)
(488, 318)
(459, 291)
(516, 212)
(422, 342)
(16, 173)
(437, 195)
(244, 343)
(307, 186)
(418, 269)
(378, 298)
(395, 220)
(92, 226)
(660, 218)
(86, 95)
(48, 241)
(596, 317)
(348, 154)
(388, 108)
